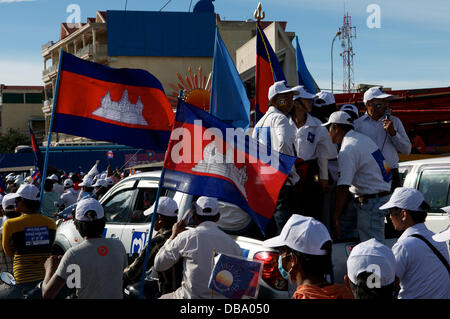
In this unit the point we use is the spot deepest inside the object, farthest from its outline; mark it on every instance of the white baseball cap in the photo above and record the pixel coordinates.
(279, 88)
(166, 207)
(326, 97)
(205, 202)
(405, 198)
(371, 256)
(339, 117)
(375, 93)
(303, 234)
(54, 177)
(302, 93)
(27, 191)
(351, 108)
(87, 181)
(10, 178)
(8, 200)
(100, 183)
(86, 205)
(68, 183)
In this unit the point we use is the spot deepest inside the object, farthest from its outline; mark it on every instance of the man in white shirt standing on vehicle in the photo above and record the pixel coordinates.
(363, 173)
(384, 129)
(420, 261)
(275, 131)
(197, 247)
(313, 145)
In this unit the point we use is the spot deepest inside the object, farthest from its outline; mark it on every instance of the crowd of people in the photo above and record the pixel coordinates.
(344, 184)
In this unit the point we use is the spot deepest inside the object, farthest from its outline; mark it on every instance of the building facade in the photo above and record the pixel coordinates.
(21, 106)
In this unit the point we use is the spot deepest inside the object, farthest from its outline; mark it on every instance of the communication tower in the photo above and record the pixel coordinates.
(348, 32)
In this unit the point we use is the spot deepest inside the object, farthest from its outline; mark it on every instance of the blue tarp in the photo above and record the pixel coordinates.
(75, 161)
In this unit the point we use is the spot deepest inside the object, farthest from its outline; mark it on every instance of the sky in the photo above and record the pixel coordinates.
(400, 44)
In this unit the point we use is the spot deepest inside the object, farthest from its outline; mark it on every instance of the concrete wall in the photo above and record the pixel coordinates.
(164, 68)
(246, 54)
(16, 116)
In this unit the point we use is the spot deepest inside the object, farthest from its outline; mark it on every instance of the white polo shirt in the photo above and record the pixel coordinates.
(422, 275)
(274, 130)
(393, 145)
(360, 165)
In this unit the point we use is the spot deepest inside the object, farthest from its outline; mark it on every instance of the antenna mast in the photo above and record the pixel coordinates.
(348, 32)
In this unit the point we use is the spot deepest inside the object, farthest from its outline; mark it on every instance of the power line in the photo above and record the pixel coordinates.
(165, 5)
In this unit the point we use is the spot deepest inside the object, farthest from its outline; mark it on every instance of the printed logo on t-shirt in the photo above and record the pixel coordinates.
(384, 167)
(311, 137)
(102, 250)
(37, 236)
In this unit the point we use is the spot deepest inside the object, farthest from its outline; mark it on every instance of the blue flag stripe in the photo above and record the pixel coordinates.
(82, 126)
(211, 186)
(135, 77)
(304, 77)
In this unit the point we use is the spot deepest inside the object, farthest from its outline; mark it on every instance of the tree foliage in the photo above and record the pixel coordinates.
(10, 141)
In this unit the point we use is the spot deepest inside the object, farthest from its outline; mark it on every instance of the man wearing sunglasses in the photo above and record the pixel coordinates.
(384, 129)
(275, 131)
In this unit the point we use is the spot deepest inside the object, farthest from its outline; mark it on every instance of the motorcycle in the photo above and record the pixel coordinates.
(9, 289)
(151, 287)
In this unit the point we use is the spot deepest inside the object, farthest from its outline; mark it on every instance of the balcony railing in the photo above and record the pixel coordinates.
(50, 70)
(100, 51)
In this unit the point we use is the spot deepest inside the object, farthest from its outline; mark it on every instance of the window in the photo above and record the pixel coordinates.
(13, 98)
(118, 207)
(403, 171)
(145, 199)
(434, 185)
(34, 98)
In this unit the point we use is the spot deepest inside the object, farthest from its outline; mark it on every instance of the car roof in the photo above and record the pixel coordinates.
(150, 174)
(434, 160)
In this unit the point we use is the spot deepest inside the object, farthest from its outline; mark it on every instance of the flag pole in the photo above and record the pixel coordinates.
(259, 14)
(150, 233)
(55, 100)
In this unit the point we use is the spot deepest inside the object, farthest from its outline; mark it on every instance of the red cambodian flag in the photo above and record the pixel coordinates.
(125, 106)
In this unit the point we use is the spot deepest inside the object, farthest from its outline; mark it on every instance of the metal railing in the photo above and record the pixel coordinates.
(51, 69)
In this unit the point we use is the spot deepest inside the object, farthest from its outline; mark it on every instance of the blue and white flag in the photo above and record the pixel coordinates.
(235, 277)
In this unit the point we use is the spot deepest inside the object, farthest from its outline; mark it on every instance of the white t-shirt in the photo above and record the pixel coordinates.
(101, 262)
(275, 131)
(422, 275)
(196, 247)
(312, 140)
(389, 145)
(232, 218)
(361, 164)
(68, 198)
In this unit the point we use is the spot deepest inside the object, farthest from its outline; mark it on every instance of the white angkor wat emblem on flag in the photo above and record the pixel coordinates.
(215, 163)
(122, 111)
